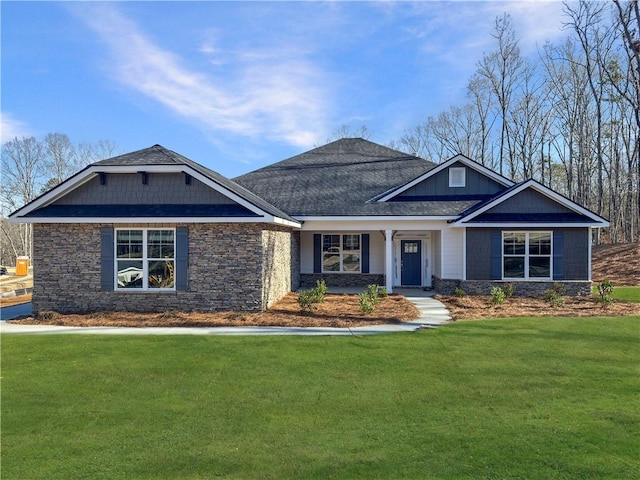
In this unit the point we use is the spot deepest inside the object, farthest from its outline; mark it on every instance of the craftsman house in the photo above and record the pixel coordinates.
(152, 230)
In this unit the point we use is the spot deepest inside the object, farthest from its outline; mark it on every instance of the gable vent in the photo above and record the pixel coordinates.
(457, 176)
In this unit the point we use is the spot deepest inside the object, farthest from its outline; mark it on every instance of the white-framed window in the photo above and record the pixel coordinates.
(145, 259)
(457, 177)
(526, 255)
(341, 253)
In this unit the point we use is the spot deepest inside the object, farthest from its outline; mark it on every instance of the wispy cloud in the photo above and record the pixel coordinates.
(266, 94)
(11, 128)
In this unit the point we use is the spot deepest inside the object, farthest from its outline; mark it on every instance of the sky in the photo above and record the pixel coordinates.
(239, 85)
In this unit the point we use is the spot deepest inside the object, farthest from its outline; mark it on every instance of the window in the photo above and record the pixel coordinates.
(526, 255)
(457, 177)
(341, 253)
(145, 259)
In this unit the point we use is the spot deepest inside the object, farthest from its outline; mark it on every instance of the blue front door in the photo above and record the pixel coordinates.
(411, 260)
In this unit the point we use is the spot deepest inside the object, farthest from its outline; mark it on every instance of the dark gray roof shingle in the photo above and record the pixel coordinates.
(342, 178)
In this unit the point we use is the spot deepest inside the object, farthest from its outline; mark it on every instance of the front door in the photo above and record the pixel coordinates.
(410, 262)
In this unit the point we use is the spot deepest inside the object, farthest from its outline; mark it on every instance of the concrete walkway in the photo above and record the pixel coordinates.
(432, 314)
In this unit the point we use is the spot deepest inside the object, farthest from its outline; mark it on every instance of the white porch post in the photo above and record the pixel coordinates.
(388, 259)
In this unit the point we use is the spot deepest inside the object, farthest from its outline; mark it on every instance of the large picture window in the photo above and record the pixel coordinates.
(341, 253)
(145, 259)
(526, 255)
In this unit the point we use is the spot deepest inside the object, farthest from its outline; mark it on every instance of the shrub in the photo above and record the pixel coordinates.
(367, 303)
(559, 289)
(605, 292)
(554, 298)
(509, 289)
(382, 291)
(321, 290)
(459, 292)
(373, 291)
(497, 296)
(308, 300)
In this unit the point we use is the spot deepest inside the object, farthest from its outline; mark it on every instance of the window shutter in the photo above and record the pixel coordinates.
(496, 256)
(558, 256)
(107, 281)
(317, 253)
(182, 258)
(365, 253)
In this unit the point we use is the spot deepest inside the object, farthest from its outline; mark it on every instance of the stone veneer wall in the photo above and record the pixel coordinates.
(522, 289)
(308, 280)
(226, 270)
(276, 268)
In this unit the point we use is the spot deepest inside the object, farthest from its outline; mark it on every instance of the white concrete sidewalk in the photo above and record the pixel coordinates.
(432, 313)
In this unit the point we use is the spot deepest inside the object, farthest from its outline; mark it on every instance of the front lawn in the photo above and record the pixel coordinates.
(512, 398)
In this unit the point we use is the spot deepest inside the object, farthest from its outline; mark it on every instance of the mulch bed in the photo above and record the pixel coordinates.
(477, 307)
(336, 311)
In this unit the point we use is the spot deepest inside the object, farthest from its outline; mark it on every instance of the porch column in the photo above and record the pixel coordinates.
(388, 260)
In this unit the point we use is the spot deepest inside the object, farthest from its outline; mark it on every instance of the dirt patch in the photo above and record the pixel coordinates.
(618, 263)
(477, 307)
(336, 311)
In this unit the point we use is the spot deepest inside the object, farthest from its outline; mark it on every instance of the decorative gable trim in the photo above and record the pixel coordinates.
(92, 171)
(458, 158)
(596, 220)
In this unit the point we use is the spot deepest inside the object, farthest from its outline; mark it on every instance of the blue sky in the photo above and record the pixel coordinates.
(239, 85)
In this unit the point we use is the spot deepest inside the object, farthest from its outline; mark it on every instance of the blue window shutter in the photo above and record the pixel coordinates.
(496, 256)
(365, 253)
(182, 258)
(317, 253)
(558, 256)
(107, 281)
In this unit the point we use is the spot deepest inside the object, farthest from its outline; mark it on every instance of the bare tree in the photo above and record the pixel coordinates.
(347, 131)
(61, 158)
(22, 173)
(503, 69)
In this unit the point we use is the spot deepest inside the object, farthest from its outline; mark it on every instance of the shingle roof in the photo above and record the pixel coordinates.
(158, 155)
(342, 178)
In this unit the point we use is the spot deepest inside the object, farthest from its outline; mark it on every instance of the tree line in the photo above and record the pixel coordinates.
(30, 167)
(569, 118)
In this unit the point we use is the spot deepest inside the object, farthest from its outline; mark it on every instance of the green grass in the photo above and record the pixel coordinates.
(518, 398)
(628, 294)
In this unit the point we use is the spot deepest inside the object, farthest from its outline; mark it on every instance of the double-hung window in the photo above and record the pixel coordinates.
(526, 255)
(145, 259)
(341, 253)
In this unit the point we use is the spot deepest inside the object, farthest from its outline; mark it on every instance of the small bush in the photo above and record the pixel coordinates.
(559, 289)
(497, 296)
(321, 290)
(308, 300)
(509, 289)
(552, 296)
(367, 303)
(605, 292)
(382, 291)
(373, 291)
(458, 292)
